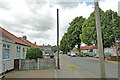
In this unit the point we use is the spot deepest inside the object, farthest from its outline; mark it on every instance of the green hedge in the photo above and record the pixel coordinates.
(80, 55)
(34, 53)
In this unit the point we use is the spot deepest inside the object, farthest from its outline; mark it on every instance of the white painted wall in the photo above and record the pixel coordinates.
(9, 64)
(22, 54)
(0, 58)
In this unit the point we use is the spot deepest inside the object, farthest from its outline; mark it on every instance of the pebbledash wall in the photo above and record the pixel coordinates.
(23, 50)
(0, 56)
(9, 63)
(6, 53)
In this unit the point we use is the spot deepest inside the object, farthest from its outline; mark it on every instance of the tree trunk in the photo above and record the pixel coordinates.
(79, 48)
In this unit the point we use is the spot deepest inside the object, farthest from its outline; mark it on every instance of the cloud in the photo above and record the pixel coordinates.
(37, 18)
(67, 5)
(109, 4)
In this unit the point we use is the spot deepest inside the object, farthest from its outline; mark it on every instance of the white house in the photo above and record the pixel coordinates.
(12, 48)
(6, 53)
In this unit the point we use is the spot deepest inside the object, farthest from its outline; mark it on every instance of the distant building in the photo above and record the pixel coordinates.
(46, 48)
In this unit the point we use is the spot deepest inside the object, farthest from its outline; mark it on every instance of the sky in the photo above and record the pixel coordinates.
(37, 19)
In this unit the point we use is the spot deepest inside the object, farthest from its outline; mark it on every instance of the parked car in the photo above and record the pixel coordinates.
(73, 54)
(97, 56)
(105, 54)
(46, 55)
(85, 54)
(69, 54)
(91, 54)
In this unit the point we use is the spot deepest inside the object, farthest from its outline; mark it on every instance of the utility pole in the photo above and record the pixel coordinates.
(99, 39)
(115, 41)
(58, 64)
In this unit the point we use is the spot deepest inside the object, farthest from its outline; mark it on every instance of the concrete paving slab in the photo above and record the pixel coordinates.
(31, 74)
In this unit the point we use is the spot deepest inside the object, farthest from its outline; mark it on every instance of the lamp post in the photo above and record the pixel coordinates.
(58, 64)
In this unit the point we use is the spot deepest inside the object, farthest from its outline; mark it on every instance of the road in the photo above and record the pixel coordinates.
(92, 66)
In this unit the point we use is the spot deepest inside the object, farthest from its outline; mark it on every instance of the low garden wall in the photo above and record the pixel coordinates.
(112, 58)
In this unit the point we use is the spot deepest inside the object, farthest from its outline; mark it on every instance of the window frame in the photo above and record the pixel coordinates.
(4, 48)
(18, 51)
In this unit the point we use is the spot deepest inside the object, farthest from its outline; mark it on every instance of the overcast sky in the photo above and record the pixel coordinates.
(37, 18)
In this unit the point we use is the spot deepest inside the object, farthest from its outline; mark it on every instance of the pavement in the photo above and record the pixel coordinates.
(31, 74)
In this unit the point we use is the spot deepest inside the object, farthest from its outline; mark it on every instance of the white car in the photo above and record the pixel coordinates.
(73, 54)
(46, 55)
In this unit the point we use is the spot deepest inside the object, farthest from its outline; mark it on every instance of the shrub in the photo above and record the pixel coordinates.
(80, 55)
(51, 56)
(34, 53)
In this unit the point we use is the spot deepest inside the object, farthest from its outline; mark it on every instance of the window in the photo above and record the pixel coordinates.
(18, 51)
(6, 51)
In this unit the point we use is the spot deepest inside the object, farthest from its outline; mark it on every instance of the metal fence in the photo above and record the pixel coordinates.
(39, 64)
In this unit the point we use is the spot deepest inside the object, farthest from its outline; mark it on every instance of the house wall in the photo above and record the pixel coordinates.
(84, 51)
(23, 51)
(95, 51)
(9, 63)
(0, 58)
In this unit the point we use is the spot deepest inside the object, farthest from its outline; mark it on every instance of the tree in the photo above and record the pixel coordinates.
(75, 30)
(54, 48)
(71, 38)
(34, 53)
(110, 28)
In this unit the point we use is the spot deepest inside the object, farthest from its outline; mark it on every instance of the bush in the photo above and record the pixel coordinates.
(34, 53)
(80, 55)
(51, 56)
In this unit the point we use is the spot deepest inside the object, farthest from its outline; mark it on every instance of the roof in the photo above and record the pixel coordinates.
(90, 47)
(75, 49)
(28, 42)
(16, 39)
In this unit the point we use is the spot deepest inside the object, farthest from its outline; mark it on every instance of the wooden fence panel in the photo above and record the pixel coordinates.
(41, 64)
(27, 64)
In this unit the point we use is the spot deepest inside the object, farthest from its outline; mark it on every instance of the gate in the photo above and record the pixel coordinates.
(16, 64)
(39, 64)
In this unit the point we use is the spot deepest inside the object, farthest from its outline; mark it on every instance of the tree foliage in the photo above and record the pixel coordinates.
(110, 28)
(81, 30)
(54, 48)
(34, 53)
(71, 38)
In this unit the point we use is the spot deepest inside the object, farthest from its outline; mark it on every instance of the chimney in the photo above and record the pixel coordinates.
(35, 43)
(25, 37)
